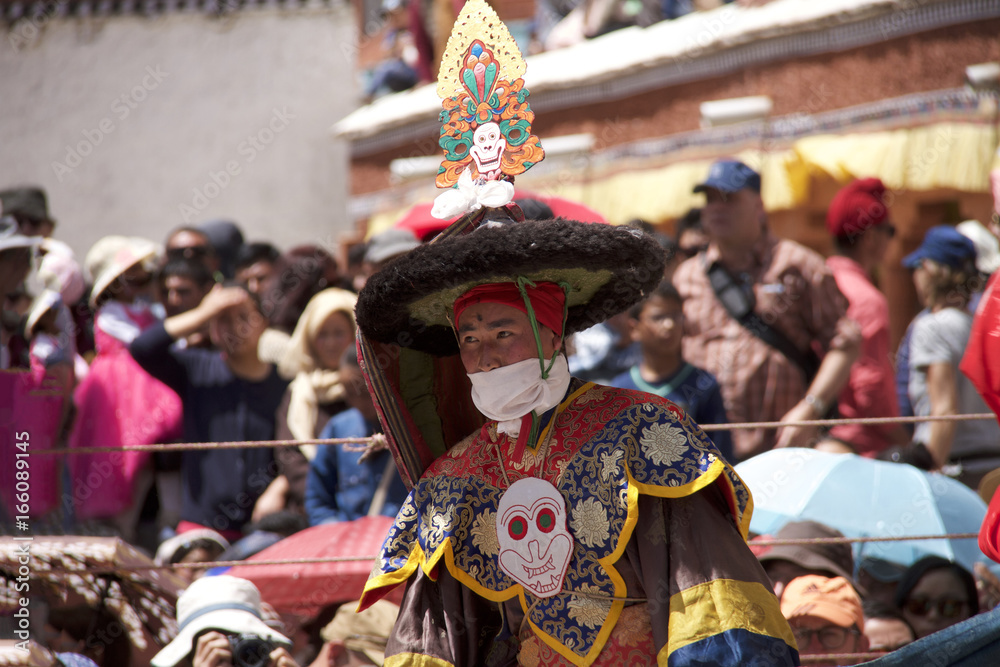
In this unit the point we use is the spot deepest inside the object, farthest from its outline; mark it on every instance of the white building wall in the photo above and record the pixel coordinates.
(138, 125)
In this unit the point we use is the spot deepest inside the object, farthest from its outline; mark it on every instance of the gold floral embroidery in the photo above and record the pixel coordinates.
(610, 464)
(590, 523)
(484, 533)
(589, 611)
(663, 444)
(633, 626)
(439, 523)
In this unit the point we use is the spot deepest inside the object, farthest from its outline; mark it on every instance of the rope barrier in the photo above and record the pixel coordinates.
(362, 443)
(185, 446)
(826, 657)
(769, 542)
(354, 559)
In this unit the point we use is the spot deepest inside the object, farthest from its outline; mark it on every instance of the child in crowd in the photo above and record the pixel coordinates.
(658, 326)
(340, 486)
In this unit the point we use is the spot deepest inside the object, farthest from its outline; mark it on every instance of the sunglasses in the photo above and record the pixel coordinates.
(191, 252)
(830, 637)
(691, 251)
(945, 608)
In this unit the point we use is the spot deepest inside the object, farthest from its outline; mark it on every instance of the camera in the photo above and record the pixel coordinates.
(250, 650)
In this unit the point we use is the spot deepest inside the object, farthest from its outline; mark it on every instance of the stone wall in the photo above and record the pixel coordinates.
(139, 124)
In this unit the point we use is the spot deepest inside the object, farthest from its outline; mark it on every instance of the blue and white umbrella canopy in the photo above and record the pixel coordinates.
(862, 497)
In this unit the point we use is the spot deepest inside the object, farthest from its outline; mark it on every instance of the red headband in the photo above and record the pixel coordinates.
(547, 300)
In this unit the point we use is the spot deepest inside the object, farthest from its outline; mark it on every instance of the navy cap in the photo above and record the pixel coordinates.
(945, 245)
(730, 176)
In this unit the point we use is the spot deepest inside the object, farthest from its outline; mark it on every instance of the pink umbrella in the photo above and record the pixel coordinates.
(419, 220)
(304, 589)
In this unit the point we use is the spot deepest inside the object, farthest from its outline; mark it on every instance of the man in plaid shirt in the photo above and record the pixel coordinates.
(781, 284)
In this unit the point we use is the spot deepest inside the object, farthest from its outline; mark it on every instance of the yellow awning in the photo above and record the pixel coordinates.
(940, 156)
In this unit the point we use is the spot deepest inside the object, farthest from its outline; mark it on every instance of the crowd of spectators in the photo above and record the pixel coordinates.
(214, 340)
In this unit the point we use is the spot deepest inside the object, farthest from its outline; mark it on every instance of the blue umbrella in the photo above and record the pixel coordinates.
(865, 498)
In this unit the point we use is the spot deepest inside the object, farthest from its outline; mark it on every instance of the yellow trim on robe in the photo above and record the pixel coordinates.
(389, 580)
(446, 551)
(716, 606)
(414, 660)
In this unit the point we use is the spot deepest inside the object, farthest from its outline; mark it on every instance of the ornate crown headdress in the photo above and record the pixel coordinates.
(486, 120)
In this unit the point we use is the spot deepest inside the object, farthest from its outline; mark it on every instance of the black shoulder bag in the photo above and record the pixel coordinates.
(739, 302)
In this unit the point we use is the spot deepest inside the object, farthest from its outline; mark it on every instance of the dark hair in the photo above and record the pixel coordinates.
(191, 230)
(665, 290)
(356, 253)
(306, 271)
(668, 244)
(187, 268)
(284, 523)
(251, 253)
(534, 209)
(916, 572)
(350, 357)
(201, 543)
(254, 298)
(689, 221)
(873, 608)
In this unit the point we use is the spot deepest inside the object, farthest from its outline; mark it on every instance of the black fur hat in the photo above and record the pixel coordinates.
(409, 302)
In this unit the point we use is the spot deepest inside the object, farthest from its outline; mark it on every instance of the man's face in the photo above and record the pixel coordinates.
(492, 335)
(34, 227)
(818, 636)
(733, 218)
(257, 277)
(236, 331)
(181, 294)
(192, 246)
(660, 327)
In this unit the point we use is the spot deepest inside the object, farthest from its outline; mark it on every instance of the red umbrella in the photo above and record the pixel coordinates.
(305, 589)
(419, 220)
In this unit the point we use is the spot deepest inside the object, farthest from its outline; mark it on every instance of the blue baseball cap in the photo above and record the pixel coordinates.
(730, 176)
(945, 245)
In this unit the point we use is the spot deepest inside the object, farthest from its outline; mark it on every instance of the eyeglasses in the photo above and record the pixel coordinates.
(946, 608)
(830, 637)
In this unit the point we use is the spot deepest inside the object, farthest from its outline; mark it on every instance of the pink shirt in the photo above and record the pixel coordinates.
(871, 388)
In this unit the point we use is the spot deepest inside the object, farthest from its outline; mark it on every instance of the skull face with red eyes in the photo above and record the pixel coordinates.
(535, 545)
(488, 145)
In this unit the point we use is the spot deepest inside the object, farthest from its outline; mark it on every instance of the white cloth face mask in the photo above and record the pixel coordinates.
(508, 393)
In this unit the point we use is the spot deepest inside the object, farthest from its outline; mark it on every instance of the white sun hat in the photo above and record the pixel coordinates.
(43, 303)
(112, 256)
(227, 604)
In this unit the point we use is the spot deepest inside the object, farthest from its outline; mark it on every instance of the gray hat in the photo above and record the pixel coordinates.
(835, 558)
(390, 243)
(29, 202)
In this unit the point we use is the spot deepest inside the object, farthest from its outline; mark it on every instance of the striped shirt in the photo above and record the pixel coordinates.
(795, 294)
